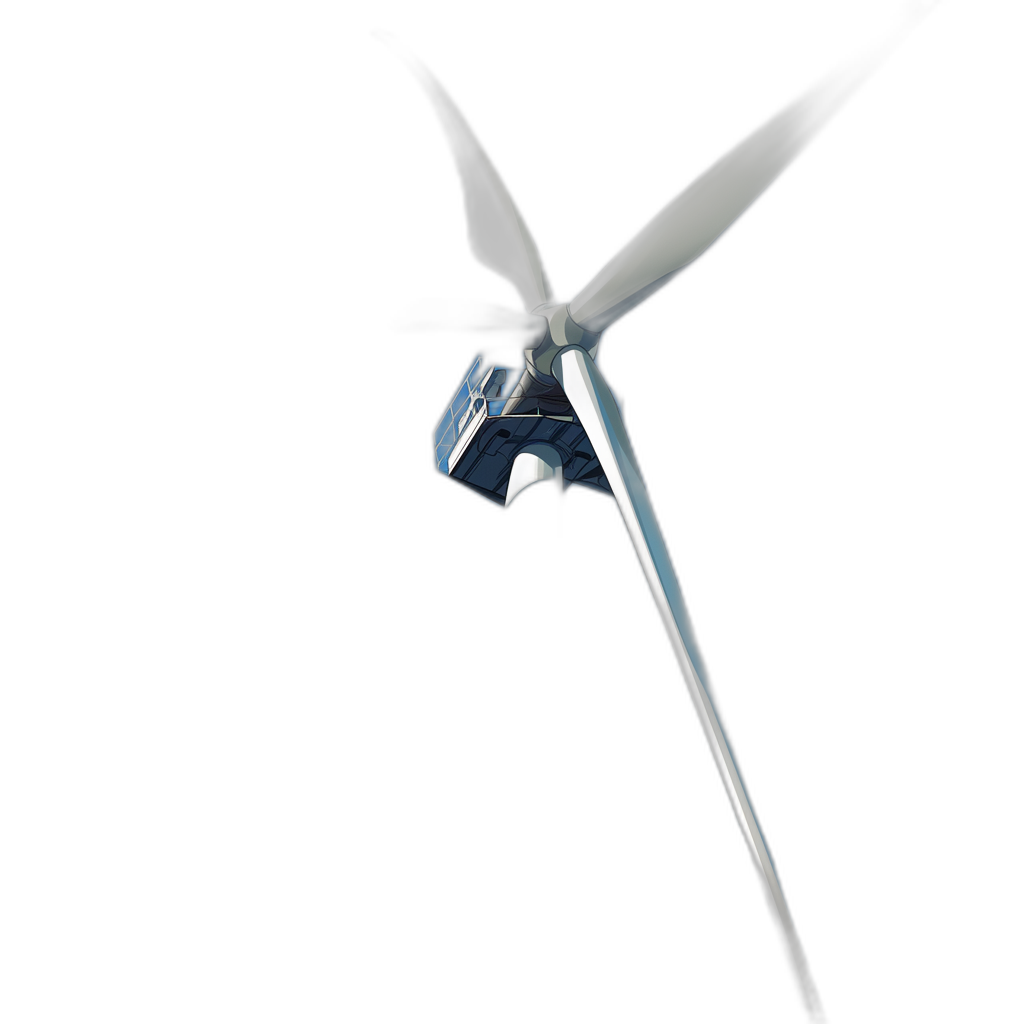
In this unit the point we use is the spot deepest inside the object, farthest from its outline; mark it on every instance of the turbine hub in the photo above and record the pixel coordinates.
(562, 331)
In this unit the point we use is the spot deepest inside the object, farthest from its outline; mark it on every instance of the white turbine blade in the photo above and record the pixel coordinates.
(531, 467)
(701, 214)
(498, 234)
(595, 407)
(456, 315)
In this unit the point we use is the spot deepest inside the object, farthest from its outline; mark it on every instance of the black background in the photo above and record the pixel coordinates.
(524, 786)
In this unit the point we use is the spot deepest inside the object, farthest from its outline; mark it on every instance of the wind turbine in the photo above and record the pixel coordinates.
(560, 418)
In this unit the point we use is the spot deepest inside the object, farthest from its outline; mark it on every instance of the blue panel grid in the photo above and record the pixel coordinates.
(445, 422)
(446, 432)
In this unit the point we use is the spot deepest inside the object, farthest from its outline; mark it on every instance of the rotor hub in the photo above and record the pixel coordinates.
(562, 331)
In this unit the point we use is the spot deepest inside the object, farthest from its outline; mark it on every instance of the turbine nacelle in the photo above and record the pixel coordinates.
(499, 445)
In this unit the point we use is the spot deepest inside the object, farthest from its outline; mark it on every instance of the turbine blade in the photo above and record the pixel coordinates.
(529, 468)
(498, 234)
(701, 214)
(470, 316)
(595, 407)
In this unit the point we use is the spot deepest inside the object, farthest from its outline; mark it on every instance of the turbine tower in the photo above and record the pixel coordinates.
(560, 418)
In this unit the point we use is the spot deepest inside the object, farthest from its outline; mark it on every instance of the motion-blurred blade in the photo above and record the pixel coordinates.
(596, 409)
(498, 234)
(700, 215)
(453, 315)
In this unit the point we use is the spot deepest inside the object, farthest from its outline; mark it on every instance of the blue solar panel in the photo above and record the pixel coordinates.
(445, 422)
(478, 392)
